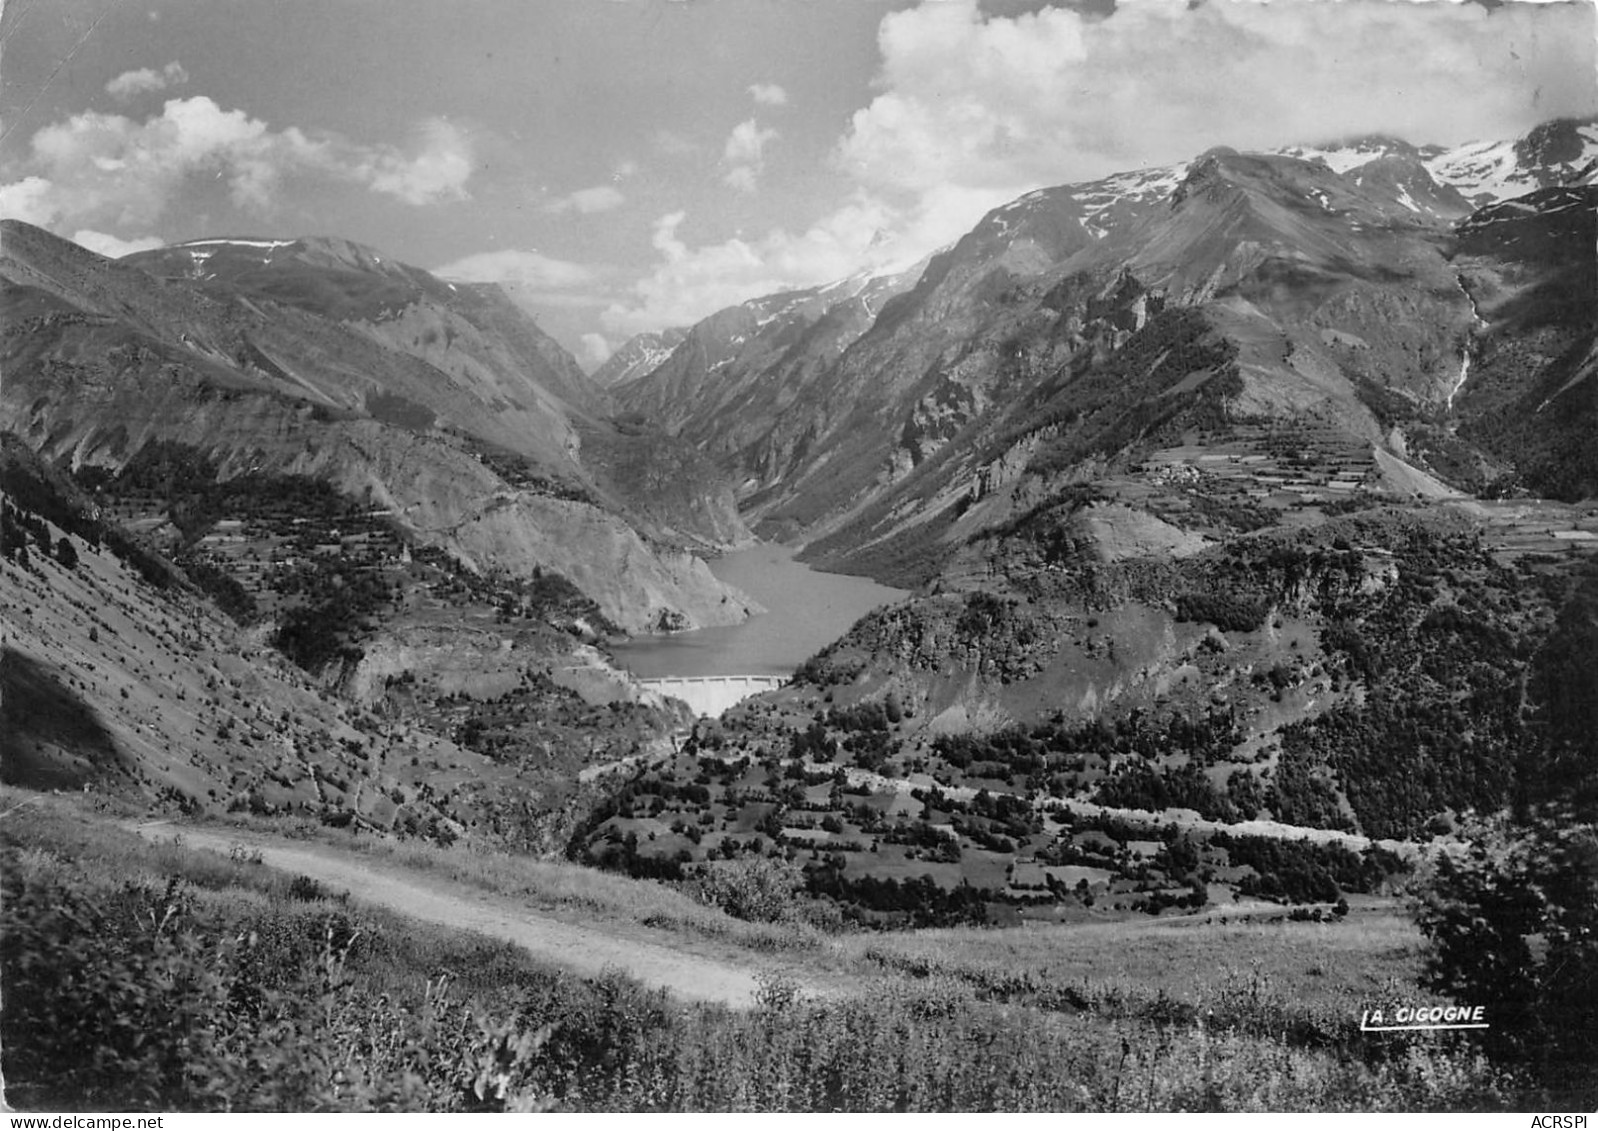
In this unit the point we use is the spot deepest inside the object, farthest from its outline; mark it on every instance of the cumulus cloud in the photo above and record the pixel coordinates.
(594, 350)
(113, 248)
(768, 94)
(1051, 96)
(96, 171)
(744, 155)
(130, 84)
(436, 168)
(28, 200)
(587, 201)
(693, 281)
(972, 110)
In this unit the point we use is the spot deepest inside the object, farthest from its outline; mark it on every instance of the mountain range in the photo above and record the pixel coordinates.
(1334, 275)
(1255, 436)
(441, 403)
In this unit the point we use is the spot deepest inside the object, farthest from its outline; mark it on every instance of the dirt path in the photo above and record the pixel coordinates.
(586, 950)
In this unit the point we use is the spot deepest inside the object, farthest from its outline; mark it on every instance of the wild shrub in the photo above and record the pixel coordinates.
(756, 888)
(1513, 926)
(135, 999)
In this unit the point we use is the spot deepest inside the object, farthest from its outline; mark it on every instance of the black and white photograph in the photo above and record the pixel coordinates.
(698, 556)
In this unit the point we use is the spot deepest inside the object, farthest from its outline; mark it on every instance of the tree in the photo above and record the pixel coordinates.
(66, 553)
(1513, 926)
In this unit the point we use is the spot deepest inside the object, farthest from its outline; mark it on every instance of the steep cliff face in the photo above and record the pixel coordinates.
(473, 453)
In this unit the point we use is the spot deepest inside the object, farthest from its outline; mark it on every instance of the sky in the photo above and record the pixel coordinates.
(629, 165)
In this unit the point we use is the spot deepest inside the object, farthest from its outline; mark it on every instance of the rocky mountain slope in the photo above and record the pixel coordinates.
(439, 403)
(1234, 576)
(1225, 491)
(471, 331)
(736, 375)
(1236, 293)
(640, 354)
(120, 674)
(1529, 396)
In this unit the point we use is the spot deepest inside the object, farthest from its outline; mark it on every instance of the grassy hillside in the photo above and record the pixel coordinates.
(121, 673)
(154, 977)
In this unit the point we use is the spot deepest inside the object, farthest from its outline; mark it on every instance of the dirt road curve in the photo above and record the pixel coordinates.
(585, 950)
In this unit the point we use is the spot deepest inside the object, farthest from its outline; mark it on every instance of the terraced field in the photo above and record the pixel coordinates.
(1518, 527)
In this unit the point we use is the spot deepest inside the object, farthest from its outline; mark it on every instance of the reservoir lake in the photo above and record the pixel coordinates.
(807, 610)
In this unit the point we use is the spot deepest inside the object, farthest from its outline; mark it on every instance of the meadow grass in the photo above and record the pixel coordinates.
(560, 885)
(1334, 964)
(265, 993)
(89, 829)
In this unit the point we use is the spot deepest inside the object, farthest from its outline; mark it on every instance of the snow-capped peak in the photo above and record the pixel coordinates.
(1555, 153)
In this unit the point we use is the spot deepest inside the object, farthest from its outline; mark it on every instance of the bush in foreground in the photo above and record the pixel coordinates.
(133, 1000)
(1513, 927)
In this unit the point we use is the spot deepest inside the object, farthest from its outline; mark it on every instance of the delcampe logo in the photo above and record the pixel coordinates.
(1423, 1017)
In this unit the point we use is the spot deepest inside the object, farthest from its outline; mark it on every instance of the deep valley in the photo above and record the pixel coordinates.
(1241, 524)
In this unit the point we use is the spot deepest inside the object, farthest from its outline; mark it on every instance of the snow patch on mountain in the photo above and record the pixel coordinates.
(1483, 170)
(1339, 159)
(1138, 186)
(240, 243)
(1556, 153)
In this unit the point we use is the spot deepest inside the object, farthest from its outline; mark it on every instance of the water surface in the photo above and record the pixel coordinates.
(807, 611)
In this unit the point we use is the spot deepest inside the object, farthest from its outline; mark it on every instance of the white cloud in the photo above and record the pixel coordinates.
(111, 247)
(594, 350)
(29, 200)
(972, 111)
(587, 201)
(96, 171)
(744, 154)
(744, 178)
(436, 169)
(747, 143)
(129, 84)
(691, 282)
(768, 94)
(1051, 96)
(529, 268)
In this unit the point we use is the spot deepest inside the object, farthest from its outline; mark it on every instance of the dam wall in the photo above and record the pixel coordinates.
(713, 694)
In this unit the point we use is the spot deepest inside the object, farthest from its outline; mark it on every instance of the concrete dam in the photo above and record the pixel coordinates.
(713, 694)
